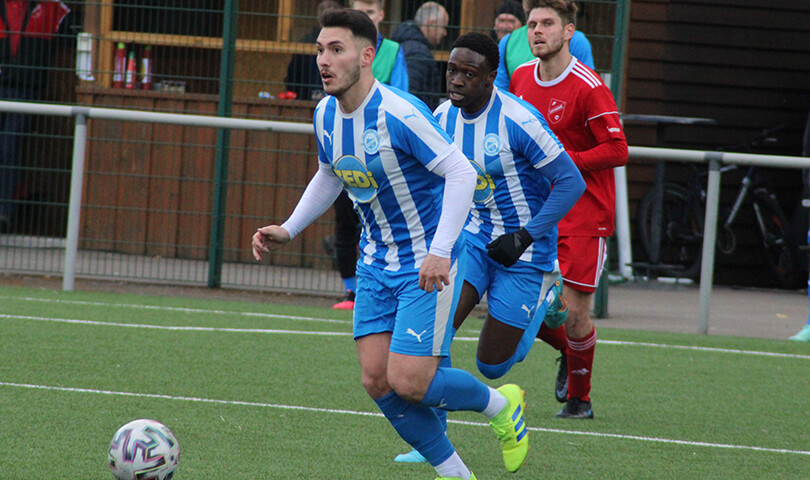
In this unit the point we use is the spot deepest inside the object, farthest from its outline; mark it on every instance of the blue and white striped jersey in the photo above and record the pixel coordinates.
(507, 143)
(383, 152)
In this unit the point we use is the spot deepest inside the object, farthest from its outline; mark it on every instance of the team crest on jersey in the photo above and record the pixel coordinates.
(356, 179)
(483, 186)
(556, 110)
(371, 142)
(492, 144)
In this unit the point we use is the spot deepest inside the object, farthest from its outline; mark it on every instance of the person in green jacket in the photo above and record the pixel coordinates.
(389, 65)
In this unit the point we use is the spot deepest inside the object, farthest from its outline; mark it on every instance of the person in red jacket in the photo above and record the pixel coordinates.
(582, 113)
(27, 30)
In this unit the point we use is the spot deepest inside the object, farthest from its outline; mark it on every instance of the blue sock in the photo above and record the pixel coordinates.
(522, 350)
(442, 414)
(456, 389)
(495, 371)
(530, 334)
(417, 425)
(350, 283)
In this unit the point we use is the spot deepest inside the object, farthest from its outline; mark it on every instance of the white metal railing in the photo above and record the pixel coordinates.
(80, 142)
(714, 159)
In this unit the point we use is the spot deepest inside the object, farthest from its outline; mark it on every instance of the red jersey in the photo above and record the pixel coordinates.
(581, 111)
(30, 19)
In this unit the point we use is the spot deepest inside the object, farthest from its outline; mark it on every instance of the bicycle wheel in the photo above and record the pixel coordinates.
(681, 232)
(781, 255)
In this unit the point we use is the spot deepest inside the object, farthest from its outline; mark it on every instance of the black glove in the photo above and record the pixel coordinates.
(506, 249)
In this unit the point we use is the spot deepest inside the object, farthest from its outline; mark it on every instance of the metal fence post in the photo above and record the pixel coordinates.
(223, 144)
(75, 205)
(709, 238)
(616, 80)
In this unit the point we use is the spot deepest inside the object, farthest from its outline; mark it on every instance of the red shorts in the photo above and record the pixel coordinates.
(582, 260)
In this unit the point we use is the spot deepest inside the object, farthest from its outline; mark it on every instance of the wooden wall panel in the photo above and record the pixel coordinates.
(744, 63)
(149, 188)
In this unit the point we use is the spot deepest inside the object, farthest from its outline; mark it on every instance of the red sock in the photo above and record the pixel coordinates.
(580, 365)
(556, 337)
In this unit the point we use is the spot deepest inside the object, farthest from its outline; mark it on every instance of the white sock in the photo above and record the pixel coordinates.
(497, 402)
(453, 467)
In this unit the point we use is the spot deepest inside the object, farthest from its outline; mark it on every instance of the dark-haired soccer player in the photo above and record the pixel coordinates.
(582, 113)
(511, 231)
(412, 189)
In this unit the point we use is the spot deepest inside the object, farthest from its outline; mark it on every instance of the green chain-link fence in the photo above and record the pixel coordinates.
(178, 204)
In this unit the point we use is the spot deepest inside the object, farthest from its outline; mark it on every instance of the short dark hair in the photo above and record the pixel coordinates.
(482, 44)
(356, 21)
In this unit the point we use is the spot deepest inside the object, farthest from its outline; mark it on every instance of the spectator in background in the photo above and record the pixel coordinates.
(303, 76)
(804, 333)
(417, 37)
(508, 17)
(27, 32)
(389, 67)
(389, 63)
(515, 51)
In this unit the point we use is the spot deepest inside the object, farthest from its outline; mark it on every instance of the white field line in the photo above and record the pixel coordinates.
(332, 334)
(705, 349)
(175, 309)
(373, 414)
(169, 327)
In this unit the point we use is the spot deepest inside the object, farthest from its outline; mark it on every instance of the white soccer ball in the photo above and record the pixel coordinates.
(144, 450)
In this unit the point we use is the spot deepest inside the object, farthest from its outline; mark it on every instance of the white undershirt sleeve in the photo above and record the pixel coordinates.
(319, 195)
(459, 186)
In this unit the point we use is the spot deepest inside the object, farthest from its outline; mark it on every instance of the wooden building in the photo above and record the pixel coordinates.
(742, 63)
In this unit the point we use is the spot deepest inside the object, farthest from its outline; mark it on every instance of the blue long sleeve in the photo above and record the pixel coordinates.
(399, 75)
(580, 47)
(502, 80)
(568, 186)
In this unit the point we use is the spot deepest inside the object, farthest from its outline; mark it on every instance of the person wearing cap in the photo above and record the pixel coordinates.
(508, 17)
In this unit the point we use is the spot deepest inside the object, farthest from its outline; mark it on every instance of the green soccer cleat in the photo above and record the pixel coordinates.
(510, 427)
(557, 312)
(472, 477)
(411, 457)
(803, 335)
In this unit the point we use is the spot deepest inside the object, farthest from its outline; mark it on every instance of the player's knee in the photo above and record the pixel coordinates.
(375, 385)
(408, 389)
(578, 323)
(495, 371)
(578, 315)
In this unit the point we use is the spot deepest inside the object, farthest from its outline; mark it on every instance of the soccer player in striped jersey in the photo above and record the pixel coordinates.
(412, 188)
(582, 113)
(512, 228)
(511, 231)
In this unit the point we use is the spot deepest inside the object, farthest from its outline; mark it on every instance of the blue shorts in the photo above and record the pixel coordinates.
(515, 294)
(420, 323)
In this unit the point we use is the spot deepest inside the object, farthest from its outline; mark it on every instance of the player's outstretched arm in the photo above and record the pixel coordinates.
(319, 195)
(268, 238)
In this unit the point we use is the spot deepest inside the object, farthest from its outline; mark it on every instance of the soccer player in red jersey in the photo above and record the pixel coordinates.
(582, 113)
